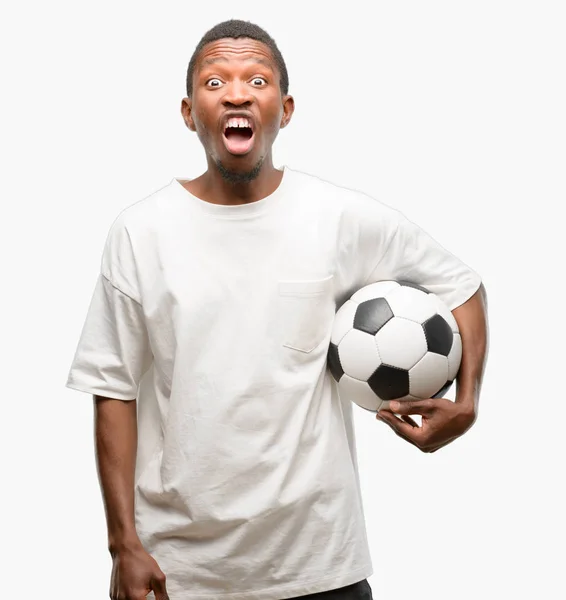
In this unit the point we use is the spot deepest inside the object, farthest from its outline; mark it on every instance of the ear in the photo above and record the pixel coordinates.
(288, 110)
(187, 112)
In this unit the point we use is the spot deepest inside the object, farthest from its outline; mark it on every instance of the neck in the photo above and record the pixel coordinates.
(213, 187)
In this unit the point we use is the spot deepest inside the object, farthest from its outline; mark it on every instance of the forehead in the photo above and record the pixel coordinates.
(230, 50)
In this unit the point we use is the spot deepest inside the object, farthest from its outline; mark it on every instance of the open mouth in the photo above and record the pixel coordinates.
(238, 140)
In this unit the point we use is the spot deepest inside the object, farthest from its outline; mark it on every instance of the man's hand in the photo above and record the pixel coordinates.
(442, 421)
(135, 573)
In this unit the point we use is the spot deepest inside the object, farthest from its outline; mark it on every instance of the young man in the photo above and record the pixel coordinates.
(226, 456)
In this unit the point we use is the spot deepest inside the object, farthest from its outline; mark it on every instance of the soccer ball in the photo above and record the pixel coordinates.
(394, 340)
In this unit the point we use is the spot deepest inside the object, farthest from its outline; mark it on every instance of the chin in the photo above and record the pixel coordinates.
(240, 173)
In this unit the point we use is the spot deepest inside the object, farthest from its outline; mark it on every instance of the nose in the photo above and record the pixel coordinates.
(237, 93)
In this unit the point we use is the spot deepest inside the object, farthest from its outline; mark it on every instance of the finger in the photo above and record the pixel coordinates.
(412, 407)
(159, 588)
(405, 430)
(404, 437)
(410, 421)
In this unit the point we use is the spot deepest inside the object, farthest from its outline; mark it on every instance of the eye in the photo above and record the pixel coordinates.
(258, 79)
(209, 82)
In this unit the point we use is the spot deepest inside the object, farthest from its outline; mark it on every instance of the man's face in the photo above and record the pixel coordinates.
(236, 107)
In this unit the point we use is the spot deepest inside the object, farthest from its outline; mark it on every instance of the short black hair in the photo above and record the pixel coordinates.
(235, 28)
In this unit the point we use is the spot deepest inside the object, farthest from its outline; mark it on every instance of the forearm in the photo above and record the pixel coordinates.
(473, 324)
(116, 447)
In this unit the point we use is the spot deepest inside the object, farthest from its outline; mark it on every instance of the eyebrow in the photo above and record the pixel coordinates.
(212, 61)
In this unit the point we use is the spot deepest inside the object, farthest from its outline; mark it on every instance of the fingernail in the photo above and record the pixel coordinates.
(394, 405)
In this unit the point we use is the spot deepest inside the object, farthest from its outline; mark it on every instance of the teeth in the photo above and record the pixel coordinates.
(238, 122)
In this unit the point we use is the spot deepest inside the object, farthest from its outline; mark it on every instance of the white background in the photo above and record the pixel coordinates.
(453, 112)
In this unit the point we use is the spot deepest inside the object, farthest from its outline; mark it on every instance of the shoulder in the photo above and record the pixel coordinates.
(349, 201)
(311, 182)
(134, 227)
(140, 215)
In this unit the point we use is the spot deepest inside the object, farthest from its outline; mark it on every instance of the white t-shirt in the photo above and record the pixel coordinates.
(218, 320)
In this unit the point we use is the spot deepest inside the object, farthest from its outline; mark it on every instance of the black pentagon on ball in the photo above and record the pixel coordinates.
(413, 285)
(441, 393)
(372, 315)
(389, 382)
(334, 362)
(439, 336)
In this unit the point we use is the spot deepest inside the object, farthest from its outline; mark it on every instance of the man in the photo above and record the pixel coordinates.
(226, 456)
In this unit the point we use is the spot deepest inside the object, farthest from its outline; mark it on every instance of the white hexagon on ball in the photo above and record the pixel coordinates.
(428, 376)
(359, 393)
(401, 343)
(358, 354)
(411, 303)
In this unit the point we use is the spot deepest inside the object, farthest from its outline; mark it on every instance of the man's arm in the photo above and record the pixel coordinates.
(134, 572)
(116, 447)
(472, 322)
(444, 421)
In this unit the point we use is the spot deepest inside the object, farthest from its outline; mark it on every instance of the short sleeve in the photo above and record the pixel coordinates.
(113, 352)
(411, 254)
(378, 243)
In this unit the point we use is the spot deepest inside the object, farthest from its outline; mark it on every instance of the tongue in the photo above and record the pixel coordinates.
(238, 142)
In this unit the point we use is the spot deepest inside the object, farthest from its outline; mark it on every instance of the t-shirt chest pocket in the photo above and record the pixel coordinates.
(306, 309)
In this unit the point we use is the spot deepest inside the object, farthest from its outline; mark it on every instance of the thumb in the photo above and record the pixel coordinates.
(158, 587)
(411, 407)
